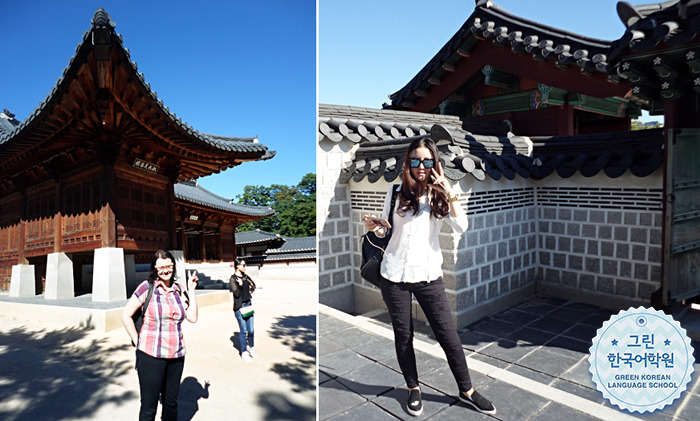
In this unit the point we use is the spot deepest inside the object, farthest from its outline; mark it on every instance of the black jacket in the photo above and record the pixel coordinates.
(241, 294)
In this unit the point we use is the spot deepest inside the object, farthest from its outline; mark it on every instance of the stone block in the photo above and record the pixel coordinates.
(622, 251)
(626, 288)
(559, 260)
(579, 246)
(564, 244)
(109, 278)
(580, 215)
(22, 282)
(639, 235)
(588, 230)
(621, 233)
(575, 262)
(59, 277)
(639, 252)
(592, 248)
(592, 264)
(573, 229)
(614, 217)
(641, 271)
(605, 232)
(597, 216)
(607, 249)
(564, 214)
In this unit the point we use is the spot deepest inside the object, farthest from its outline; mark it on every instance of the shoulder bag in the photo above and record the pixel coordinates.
(373, 248)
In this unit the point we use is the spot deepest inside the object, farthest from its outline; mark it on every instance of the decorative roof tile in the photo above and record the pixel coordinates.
(496, 156)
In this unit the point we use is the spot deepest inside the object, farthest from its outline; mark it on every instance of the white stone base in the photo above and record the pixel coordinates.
(59, 277)
(108, 275)
(180, 271)
(22, 283)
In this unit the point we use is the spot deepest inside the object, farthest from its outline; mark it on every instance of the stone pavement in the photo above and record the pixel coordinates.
(52, 372)
(530, 360)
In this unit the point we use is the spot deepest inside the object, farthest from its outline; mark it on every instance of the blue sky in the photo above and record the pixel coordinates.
(371, 49)
(232, 68)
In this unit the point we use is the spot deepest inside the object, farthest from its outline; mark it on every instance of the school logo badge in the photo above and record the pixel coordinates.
(641, 359)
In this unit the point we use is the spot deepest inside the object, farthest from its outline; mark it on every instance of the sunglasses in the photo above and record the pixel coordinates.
(427, 163)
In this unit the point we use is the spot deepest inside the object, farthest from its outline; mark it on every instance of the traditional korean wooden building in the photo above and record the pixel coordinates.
(103, 164)
(533, 125)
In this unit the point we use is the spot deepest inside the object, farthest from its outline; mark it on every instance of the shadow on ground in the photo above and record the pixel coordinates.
(278, 406)
(190, 392)
(50, 374)
(299, 334)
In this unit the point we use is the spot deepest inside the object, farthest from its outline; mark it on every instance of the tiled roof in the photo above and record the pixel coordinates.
(290, 257)
(490, 23)
(191, 191)
(337, 122)
(497, 156)
(102, 23)
(295, 245)
(7, 122)
(246, 238)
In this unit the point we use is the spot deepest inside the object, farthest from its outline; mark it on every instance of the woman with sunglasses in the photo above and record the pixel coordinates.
(242, 288)
(160, 347)
(412, 266)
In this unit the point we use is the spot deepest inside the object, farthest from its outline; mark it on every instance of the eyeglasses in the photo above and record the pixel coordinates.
(427, 163)
(241, 264)
(164, 268)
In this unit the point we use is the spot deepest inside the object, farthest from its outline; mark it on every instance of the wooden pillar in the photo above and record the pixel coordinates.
(58, 218)
(108, 221)
(170, 214)
(219, 248)
(203, 243)
(22, 259)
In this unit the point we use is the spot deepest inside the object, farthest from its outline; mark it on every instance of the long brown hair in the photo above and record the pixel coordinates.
(411, 189)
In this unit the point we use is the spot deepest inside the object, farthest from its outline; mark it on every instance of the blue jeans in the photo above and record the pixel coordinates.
(247, 329)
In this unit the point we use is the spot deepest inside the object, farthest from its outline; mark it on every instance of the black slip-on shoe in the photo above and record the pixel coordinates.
(478, 402)
(415, 403)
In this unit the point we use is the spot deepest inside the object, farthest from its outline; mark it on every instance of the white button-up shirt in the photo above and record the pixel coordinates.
(413, 253)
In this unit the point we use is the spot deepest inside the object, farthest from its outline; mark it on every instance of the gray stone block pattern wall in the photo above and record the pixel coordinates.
(334, 244)
(494, 258)
(605, 241)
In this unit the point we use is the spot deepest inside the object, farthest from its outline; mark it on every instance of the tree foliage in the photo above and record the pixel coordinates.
(295, 207)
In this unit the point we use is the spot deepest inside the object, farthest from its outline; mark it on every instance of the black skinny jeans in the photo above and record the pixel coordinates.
(432, 299)
(158, 376)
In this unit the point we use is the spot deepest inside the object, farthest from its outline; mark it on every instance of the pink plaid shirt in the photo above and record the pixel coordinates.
(161, 334)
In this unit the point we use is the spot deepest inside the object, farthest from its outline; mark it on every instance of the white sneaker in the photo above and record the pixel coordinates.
(246, 357)
(252, 352)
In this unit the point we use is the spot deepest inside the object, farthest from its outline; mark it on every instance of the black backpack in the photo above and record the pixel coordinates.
(137, 317)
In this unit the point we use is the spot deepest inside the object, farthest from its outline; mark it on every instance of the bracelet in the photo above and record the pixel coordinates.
(452, 199)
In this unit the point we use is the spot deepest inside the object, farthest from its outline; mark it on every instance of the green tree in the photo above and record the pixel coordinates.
(295, 207)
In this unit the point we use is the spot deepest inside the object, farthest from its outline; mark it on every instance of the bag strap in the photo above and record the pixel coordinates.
(394, 190)
(151, 287)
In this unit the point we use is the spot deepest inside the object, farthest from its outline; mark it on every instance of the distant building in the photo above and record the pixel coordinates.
(262, 248)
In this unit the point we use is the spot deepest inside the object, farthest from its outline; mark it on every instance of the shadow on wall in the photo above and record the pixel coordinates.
(50, 376)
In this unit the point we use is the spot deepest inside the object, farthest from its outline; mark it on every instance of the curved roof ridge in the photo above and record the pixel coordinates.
(556, 31)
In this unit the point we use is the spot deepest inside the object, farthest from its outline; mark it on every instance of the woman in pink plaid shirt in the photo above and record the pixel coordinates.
(160, 347)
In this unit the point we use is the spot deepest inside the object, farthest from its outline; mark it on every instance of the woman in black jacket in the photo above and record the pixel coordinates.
(242, 287)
